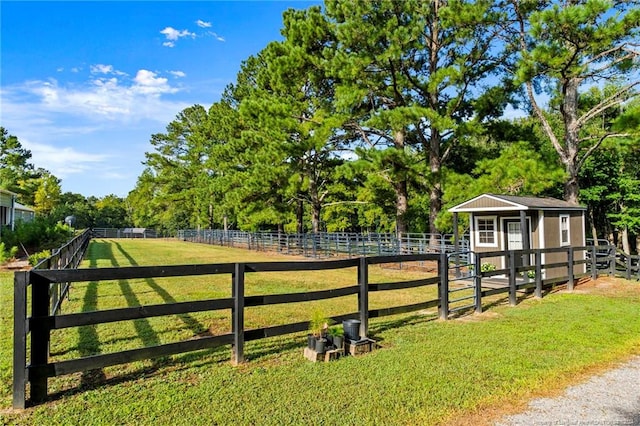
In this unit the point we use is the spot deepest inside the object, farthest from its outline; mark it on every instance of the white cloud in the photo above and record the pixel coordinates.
(62, 161)
(104, 69)
(216, 36)
(75, 69)
(103, 97)
(203, 24)
(93, 133)
(173, 35)
(147, 82)
(101, 69)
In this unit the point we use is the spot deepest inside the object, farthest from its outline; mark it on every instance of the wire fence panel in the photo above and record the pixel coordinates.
(126, 233)
(330, 244)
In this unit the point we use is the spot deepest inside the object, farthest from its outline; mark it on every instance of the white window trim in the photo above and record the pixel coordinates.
(477, 231)
(568, 242)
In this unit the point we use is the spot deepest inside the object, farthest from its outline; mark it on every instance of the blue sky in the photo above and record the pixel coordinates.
(84, 85)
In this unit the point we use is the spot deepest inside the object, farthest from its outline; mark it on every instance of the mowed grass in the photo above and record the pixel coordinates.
(427, 371)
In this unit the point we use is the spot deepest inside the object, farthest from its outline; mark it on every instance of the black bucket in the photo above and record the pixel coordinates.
(351, 329)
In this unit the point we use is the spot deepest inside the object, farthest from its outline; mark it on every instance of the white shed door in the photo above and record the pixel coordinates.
(514, 236)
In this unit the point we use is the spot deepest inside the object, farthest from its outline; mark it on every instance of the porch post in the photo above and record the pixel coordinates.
(525, 237)
(456, 248)
(455, 231)
(12, 213)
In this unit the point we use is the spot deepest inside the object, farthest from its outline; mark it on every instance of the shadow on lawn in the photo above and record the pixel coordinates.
(88, 340)
(194, 325)
(160, 368)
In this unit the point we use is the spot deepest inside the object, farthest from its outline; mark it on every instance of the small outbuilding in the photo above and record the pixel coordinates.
(506, 222)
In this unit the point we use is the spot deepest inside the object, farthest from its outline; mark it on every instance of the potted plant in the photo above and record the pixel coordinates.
(318, 330)
(336, 336)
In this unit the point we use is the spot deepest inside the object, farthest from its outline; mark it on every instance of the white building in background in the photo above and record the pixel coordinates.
(12, 212)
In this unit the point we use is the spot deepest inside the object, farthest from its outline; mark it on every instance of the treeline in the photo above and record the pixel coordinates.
(40, 189)
(379, 115)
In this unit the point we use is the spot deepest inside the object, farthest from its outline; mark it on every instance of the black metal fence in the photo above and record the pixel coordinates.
(33, 366)
(127, 233)
(329, 244)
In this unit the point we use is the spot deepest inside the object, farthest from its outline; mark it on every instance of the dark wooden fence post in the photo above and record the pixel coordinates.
(40, 335)
(21, 280)
(237, 356)
(538, 273)
(444, 286)
(594, 264)
(570, 268)
(477, 279)
(363, 295)
(512, 277)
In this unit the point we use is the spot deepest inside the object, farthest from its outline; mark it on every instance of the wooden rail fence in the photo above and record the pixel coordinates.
(33, 366)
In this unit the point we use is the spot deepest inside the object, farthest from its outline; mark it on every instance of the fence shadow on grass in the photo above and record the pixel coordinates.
(193, 324)
(381, 326)
(176, 363)
(88, 339)
(143, 327)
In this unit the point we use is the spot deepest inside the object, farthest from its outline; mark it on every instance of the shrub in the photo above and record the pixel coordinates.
(40, 234)
(35, 258)
(7, 254)
(487, 267)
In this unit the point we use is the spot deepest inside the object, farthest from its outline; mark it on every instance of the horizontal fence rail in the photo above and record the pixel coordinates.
(461, 286)
(330, 244)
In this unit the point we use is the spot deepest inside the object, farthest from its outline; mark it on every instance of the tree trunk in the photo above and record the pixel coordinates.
(435, 192)
(300, 217)
(400, 188)
(569, 109)
(594, 231)
(571, 187)
(316, 205)
(315, 217)
(625, 240)
(435, 139)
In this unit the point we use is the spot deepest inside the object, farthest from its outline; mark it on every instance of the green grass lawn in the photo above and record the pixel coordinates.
(427, 371)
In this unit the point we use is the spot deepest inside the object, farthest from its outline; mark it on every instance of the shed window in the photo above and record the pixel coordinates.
(565, 237)
(486, 231)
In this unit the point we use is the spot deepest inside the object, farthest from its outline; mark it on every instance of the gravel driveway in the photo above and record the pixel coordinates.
(611, 398)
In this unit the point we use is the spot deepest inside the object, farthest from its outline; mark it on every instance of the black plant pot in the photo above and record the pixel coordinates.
(320, 345)
(351, 329)
(311, 341)
(338, 341)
